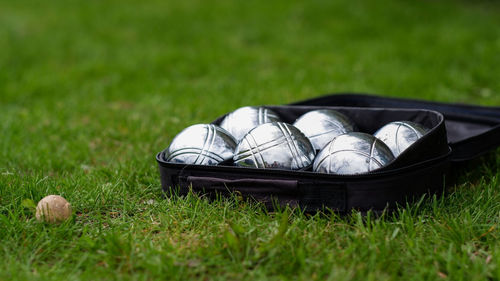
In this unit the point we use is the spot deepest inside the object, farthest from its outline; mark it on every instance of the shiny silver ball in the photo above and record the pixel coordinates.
(323, 125)
(242, 120)
(202, 144)
(352, 153)
(399, 135)
(274, 145)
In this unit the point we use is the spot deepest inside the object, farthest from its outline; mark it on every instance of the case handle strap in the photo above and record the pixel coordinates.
(271, 186)
(309, 195)
(266, 191)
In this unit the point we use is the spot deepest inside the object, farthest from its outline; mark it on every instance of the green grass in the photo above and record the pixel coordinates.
(91, 90)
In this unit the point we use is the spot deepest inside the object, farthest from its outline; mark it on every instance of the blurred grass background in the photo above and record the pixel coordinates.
(91, 90)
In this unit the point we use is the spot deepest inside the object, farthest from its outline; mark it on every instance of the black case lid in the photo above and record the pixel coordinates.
(471, 130)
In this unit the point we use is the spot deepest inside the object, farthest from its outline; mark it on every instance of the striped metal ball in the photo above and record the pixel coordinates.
(242, 120)
(352, 153)
(202, 144)
(274, 145)
(399, 135)
(323, 125)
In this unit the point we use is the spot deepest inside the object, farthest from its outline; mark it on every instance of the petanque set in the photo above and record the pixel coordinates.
(340, 152)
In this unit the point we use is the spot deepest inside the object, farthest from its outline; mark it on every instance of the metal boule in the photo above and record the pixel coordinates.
(274, 145)
(399, 135)
(202, 144)
(323, 125)
(352, 153)
(239, 122)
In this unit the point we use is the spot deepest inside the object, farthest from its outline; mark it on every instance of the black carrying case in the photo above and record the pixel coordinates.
(459, 133)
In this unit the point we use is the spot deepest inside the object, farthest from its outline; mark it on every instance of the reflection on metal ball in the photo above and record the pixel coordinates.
(242, 120)
(323, 125)
(399, 135)
(352, 153)
(202, 144)
(274, 145)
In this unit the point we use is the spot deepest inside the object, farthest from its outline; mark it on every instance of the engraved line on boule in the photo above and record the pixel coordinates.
(291, 144)
(372, 149)
(262, 147)
(324, 159)
(266, 116)
(207, 155)
(259, 152)
(321, 160)
(252, 153)
(212, 140)
(330, 153)
(417, 133)
(396, 139)
(306, 160)
(347, 150)
(363, 154)
(272, 115)
(323, 133)
(335, 123)
(204, 144)
(185, 150)
(271, 143)
(194, 150)
(243, 154)
(204, 149)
